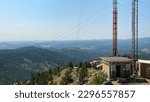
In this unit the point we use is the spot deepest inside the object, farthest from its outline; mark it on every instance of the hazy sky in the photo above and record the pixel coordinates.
(68, 19)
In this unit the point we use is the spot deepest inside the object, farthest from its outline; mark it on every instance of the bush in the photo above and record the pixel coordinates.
(67, 78)
(99, 79)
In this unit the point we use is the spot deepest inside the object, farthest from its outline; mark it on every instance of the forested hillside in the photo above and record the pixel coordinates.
(18, 64)
(83, 73)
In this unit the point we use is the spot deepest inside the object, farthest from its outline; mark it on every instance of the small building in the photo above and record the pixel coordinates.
(116, 67)
(143, 67)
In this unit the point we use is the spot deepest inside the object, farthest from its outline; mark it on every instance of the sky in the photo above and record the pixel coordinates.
(30, 20)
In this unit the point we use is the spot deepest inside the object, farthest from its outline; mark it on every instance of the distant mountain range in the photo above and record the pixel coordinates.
(18, 60)
(83, 44)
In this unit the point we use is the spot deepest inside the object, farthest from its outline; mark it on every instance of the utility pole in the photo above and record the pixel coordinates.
(115, 30)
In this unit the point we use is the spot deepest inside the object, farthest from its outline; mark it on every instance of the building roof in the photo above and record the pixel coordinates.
(116, 59)
(144, 61)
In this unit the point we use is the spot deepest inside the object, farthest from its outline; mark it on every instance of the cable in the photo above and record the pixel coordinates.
(122, 5)
(77, 27)
(81, 25)
(85, 25)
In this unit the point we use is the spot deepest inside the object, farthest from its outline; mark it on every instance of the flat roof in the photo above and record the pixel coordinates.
(144, 61)
(116, 59)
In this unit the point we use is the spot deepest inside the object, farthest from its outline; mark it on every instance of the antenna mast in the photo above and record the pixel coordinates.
(134, 32)
(136, 24)
(115, 25)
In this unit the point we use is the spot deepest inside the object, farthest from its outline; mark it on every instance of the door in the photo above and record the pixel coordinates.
(118, 71)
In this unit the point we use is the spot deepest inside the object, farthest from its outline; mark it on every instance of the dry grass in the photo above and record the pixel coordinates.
(57, 79)
(92, 73)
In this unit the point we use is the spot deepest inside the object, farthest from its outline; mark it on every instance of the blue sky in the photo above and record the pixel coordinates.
(68, 19)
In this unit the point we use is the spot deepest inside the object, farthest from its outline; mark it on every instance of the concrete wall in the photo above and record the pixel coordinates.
(110, 69)
(144, 69)
(105, 68)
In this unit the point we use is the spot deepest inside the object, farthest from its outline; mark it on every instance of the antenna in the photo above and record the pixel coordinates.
(136, 11)
(134, 32)
(115, 25)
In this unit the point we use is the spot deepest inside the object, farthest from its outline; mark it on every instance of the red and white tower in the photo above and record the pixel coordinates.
(115, 30)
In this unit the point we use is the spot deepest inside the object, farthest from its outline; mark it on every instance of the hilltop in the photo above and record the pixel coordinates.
(84, 73)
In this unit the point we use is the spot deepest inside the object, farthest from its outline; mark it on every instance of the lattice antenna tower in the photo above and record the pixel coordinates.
(134, 31)
(115, 28)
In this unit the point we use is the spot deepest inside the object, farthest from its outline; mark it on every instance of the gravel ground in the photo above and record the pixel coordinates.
(134, 83)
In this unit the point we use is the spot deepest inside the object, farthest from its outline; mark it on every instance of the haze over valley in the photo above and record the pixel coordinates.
(19, 60)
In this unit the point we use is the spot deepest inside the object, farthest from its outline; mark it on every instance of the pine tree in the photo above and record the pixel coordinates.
(83, 73)
(67, 78)
(70, 65)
